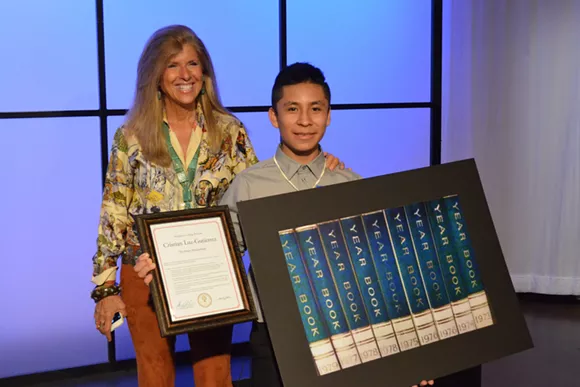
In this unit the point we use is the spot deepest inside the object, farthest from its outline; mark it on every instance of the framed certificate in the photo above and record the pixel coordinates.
(383, 281)
(200, 281)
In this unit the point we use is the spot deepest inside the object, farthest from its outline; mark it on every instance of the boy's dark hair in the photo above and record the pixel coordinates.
(295, 74)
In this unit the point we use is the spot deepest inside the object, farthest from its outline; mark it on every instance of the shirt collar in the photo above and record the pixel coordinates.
(290, 166)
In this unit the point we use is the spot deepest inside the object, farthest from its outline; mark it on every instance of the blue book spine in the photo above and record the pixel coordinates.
(468, 263)
(389, 279)
(430, 270)
(326, 293)
(348, 291)
(366, 275)
(316, 331)
(406, 258)
(450, 266)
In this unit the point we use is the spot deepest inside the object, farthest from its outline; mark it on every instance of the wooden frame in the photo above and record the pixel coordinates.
(169, 325)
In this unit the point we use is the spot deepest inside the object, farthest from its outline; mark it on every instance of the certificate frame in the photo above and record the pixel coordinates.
(263, 219)
(247, 312)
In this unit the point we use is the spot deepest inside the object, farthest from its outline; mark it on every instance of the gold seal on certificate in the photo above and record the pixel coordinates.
(200, 281)
(204, 300)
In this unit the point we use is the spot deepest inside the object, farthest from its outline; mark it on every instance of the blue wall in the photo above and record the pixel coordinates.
(51, 167)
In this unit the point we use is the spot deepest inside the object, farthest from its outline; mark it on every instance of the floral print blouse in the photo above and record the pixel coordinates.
(134, 185)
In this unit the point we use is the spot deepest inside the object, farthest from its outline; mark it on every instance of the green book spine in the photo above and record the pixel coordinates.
(430, 270)
(316, 331)
(348, 290)
(468, 263)
(411, 275)
(326, 293)
(390, 279)
(449, 263)
(366, 274)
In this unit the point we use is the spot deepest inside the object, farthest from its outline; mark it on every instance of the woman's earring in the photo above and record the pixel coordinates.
(159, 95)
(202, 92)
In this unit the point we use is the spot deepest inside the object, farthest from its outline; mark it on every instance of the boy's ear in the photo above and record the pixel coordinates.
(273, 117)
(328, 117)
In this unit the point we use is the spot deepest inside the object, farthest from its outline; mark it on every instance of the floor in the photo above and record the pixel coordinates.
(184, 377)
(554, 324)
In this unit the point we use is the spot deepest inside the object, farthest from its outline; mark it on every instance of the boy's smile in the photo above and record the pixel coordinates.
(302, 116)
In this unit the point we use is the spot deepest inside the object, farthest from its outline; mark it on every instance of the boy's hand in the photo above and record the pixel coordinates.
(143, 268)
(426, 383)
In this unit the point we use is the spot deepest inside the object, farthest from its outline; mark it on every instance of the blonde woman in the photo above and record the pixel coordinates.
(179, 148)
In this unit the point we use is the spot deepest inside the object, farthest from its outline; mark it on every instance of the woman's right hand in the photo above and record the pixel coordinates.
(143, 268)
(104, 312)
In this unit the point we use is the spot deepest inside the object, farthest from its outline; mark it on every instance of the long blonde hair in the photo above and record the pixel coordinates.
(145, 118)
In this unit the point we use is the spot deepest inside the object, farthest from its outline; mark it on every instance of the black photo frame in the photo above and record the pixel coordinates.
(263, 218)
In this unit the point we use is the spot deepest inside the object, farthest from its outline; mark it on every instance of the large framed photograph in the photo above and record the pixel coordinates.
(384, 281)
(200, 281)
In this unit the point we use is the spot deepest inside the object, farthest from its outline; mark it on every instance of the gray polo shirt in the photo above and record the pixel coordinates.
(268, 178)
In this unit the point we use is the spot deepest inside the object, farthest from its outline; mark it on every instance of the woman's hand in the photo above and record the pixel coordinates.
(332, 162)
(143, 268)
(104, 312)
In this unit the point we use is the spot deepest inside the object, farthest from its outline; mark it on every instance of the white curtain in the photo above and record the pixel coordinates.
(512, 101)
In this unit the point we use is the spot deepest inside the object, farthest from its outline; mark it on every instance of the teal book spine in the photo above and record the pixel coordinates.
(389, 280)
(348, 290)
(406, 258)
(316, 331)
(449, 263)
(326, 293)
(358, 249)
(468, 263)
(430, 270)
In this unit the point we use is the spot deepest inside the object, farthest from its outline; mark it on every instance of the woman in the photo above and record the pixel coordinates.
(179, 148)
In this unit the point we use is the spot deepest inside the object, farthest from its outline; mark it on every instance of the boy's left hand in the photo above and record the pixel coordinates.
(426, 383)
(332, 162)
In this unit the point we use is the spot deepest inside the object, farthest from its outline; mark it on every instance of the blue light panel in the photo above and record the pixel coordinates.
(49, 55)
(373, 52)
(241, 36)
(49, 230)
(378, 142)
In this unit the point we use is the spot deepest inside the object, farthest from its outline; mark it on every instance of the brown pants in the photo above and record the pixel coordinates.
(210, 350)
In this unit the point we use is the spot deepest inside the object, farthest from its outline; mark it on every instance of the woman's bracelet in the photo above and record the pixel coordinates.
(101, 292)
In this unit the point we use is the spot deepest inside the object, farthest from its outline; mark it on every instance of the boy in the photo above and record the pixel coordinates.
(301, 111)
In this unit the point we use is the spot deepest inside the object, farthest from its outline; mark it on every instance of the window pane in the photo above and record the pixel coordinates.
(378, 142)
(241, 36)
(49, 230)
(376, 53)
(49, 51)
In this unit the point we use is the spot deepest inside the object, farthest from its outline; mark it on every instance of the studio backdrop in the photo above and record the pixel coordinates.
(512, 92)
